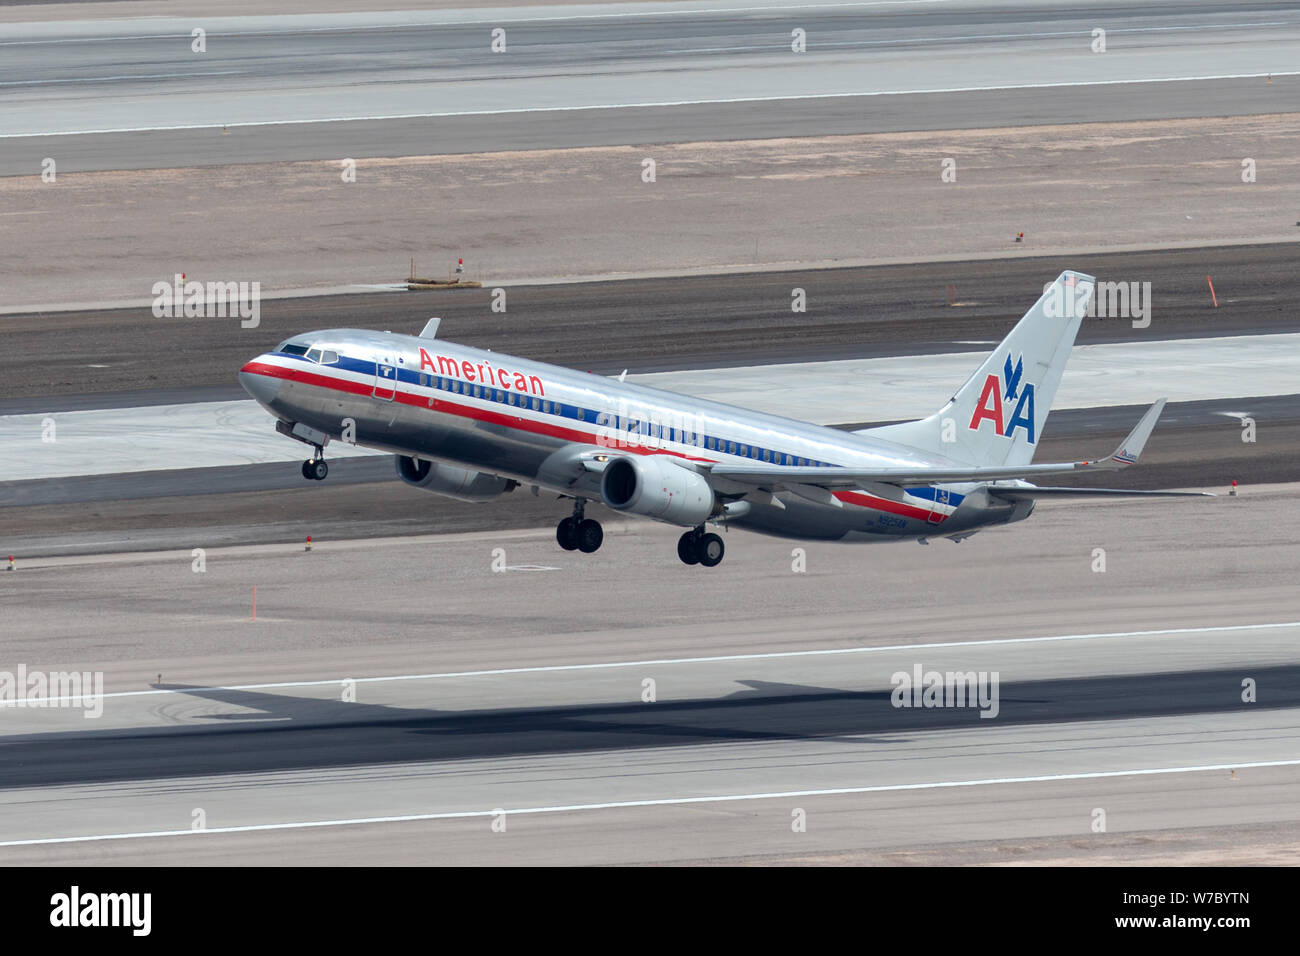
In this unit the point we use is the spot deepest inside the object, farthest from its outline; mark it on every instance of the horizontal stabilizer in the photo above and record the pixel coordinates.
(840, 477)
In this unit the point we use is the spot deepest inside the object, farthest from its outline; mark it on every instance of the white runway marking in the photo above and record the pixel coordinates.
(437, 19)
(114, 79)
(662, 802)
(656, 104)
(769, 655)
(912, 41)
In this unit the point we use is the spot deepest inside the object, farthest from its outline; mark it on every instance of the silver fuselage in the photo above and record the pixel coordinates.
(525, 420)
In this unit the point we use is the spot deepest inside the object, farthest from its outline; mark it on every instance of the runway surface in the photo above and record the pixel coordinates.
(415, 83)
(867, 315)
(88, 359)
(1119, 691)
(222, 434)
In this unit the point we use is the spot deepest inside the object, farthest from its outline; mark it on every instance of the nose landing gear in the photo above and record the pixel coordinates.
(315, 469)
(578, 533)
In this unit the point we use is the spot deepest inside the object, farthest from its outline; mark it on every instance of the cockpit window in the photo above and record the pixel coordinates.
(311, 353)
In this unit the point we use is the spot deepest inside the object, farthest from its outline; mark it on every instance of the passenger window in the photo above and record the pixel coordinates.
(536, 404)
(767, 455)
(582, 414)
(546, 407)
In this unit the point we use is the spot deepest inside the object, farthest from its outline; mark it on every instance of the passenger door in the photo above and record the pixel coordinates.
(385, 379)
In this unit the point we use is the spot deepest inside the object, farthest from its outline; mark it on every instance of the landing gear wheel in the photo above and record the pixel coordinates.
(566, 534)
(316, 469)
(305, 473)
(710, 549)
(590, 535)
(686, 548)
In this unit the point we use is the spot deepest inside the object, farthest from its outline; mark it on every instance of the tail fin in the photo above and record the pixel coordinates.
(996, 417)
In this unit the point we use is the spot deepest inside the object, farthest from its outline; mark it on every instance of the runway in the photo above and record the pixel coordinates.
(1119, 690)
(859, 319)
(64, 361)
(221, 434)
(271, 89)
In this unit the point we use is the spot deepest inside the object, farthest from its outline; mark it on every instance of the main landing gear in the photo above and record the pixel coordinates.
(698, 547)
(315, 469)
(578, 533)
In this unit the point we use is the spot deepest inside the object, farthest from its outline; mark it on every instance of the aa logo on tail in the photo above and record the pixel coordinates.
(996, 399)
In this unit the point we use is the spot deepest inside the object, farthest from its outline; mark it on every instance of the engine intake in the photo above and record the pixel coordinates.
(451, 481)
(654, 487)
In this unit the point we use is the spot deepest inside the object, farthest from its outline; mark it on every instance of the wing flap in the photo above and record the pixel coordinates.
(1030, 492)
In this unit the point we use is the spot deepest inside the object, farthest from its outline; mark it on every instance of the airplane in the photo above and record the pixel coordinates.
(473, 424)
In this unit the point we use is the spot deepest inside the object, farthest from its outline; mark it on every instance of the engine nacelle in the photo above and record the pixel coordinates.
(651, 485)
(451, 481)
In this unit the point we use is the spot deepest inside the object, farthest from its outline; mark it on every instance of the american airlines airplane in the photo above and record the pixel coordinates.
(472, 424)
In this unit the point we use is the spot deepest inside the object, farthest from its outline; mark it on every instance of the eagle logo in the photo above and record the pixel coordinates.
(1012, 377)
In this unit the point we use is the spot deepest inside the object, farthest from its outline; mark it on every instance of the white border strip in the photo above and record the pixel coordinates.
(664, 802)
(770, 655)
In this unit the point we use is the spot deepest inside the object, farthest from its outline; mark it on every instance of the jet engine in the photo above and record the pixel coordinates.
(651, 485)
(451, 481)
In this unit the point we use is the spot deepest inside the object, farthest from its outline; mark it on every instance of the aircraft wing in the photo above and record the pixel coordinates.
(846, 478)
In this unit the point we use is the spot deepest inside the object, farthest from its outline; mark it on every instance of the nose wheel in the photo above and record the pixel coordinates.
(579, 533)
(315, 469)
(698, 547)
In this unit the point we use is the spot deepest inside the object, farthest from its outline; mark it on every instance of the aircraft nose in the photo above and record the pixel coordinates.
(262, 387)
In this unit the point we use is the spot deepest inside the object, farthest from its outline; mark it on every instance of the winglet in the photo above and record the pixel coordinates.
(1130, 449)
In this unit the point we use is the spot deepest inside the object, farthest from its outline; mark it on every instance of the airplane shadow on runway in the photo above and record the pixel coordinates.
(294, 733)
